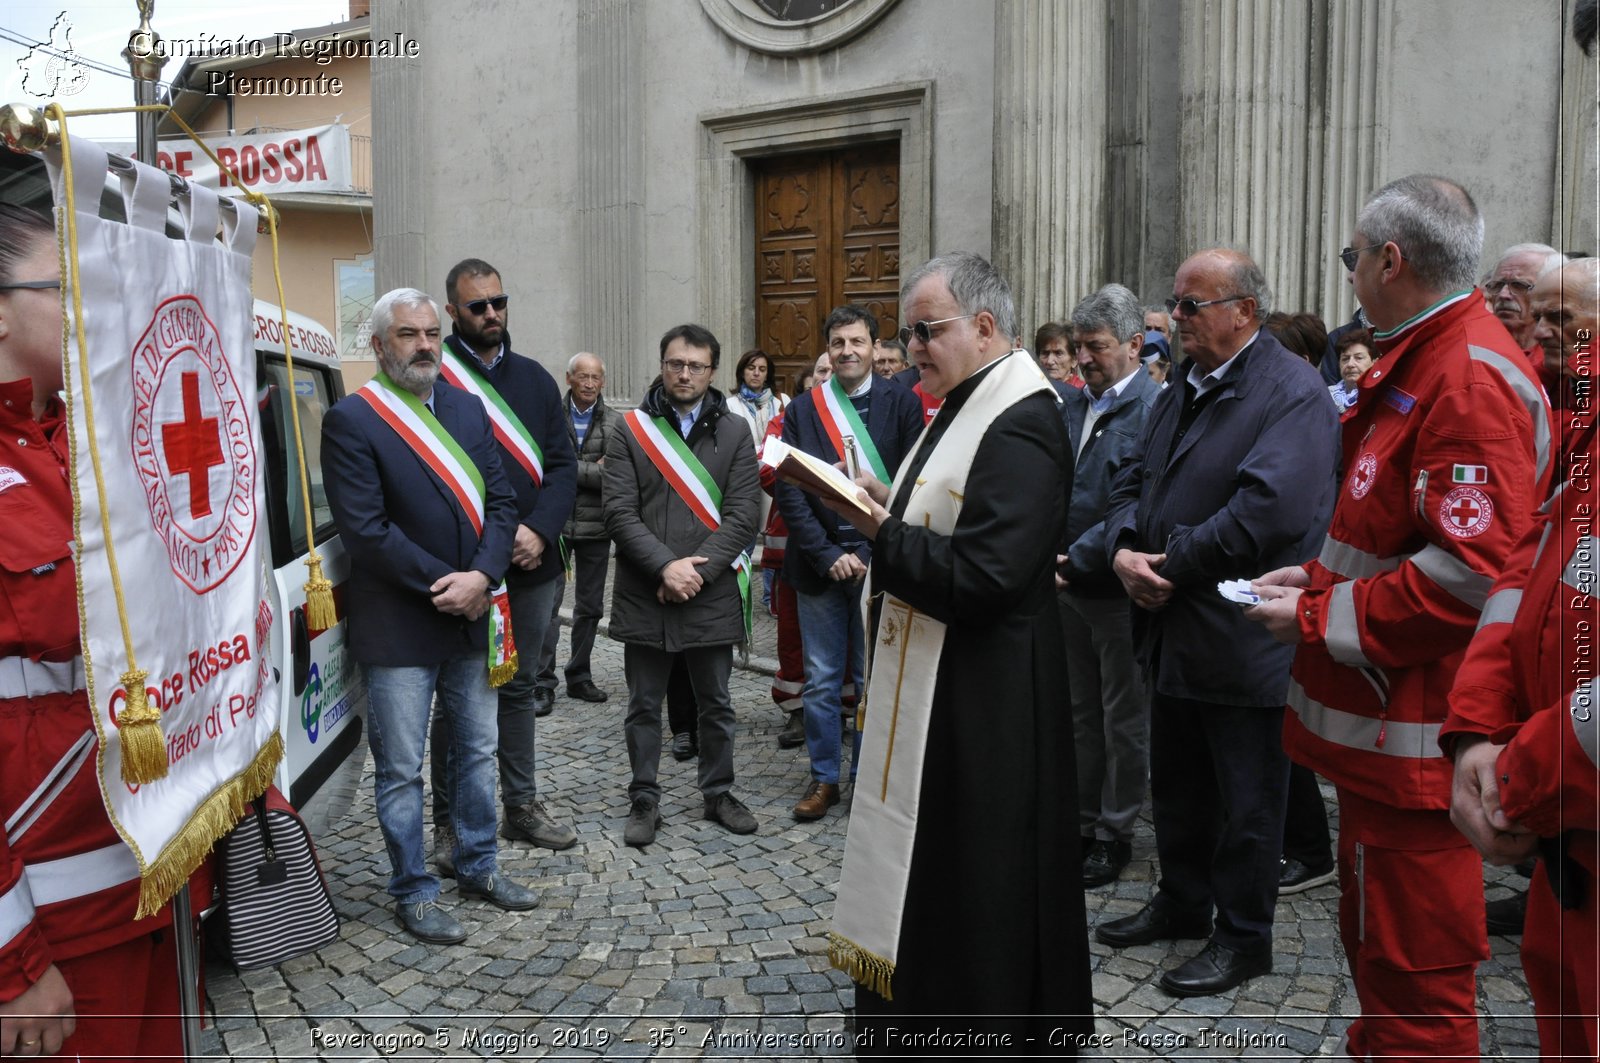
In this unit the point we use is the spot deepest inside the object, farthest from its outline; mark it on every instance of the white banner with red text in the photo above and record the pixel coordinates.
(166, 458)
(295, 160)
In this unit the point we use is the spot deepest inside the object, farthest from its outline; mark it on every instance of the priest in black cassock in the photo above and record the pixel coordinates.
(959, 911)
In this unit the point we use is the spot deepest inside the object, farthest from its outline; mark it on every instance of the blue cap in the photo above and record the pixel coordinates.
(1155, 346)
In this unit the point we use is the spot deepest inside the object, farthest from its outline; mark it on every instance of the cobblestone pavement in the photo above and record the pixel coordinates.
(710, 945)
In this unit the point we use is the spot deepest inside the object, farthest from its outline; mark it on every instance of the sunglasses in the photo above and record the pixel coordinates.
(1191, 307)
(1350, 254)
(923, 330)
(478, 306)
(30, 284)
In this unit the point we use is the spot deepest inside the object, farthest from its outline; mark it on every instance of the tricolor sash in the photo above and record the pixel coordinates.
(420, 430)
(839, 419)
(508, 427)
(908, 644)
(694, 484)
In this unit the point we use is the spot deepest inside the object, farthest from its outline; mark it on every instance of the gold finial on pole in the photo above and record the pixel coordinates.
(26, 129)
(145, 60)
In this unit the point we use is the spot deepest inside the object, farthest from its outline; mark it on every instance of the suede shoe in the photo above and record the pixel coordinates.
(544, 701)
(502, 893)
(1216, 970)
(1151, 923)
(1295, 877)
(585, 690)
(444, 851)
(729, 811)
(643, 820)
(820, 796)
(426, 921)
(684, 747)
(1103, 861)
(793, 735)
(533, 822)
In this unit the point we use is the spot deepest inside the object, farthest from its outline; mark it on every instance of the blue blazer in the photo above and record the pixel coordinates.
(403, 529)
(894, 421)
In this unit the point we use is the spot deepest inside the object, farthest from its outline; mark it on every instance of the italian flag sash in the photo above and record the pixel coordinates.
(839, 419)
(416, 425)
(508, 427)
(680, 468)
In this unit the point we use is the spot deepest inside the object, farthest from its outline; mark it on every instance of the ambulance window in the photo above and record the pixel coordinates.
(313, 391)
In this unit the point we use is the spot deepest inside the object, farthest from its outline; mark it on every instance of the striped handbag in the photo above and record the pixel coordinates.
(275, 902)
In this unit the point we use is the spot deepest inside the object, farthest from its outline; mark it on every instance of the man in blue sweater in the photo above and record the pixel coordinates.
(524, 407)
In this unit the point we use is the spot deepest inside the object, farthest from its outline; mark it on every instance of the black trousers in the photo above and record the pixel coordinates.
(1305, 825)
(1219, 782)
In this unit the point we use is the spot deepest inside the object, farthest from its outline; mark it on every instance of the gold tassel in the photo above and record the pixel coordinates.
(863, 967)
(211, 821)
(144, 747)
(320, 614)
(502, 673)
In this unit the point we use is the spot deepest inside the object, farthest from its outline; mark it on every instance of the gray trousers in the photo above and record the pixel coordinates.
(590, 559)
(648, 670)
(530, 612)
(1110, 714)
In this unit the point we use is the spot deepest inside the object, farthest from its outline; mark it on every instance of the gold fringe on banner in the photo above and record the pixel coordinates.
(216, 817)
(502, 673)
(863, 967)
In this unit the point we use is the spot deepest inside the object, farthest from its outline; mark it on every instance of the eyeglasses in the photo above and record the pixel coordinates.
(1350, 254)
(923, 330)
(478, 306)
(56, 284)
(677, 368)
(1494, 286)
(1191, 307)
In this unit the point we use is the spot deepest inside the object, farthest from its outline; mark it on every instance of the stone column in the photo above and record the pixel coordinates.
(611, 192)
(1050, 154)
(1574, 226)
(399, 167)
(1251, 149)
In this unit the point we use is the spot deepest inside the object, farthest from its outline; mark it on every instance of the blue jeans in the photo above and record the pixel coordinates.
(398, 704)
(831, 633)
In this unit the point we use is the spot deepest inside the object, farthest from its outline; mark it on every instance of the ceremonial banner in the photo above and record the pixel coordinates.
(167, 411)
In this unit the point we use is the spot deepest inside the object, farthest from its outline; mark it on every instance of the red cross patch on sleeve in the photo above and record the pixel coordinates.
(1466, 512)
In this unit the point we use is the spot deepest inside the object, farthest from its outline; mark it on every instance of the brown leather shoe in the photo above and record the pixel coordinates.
(820, 796)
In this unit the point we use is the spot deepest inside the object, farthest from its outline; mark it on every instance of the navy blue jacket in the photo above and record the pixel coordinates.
(533, 395)
(1110, 447)
(404, 530)
(894, 421)
(1249, 488)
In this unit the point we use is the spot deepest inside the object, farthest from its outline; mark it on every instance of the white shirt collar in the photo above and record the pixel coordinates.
(1203, 383)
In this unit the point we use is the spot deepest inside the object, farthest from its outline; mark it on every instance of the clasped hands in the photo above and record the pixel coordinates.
(461, 594)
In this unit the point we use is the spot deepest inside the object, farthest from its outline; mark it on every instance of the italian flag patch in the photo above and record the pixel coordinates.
(1470, 474)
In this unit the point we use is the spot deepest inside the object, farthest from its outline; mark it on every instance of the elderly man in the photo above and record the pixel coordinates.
(1506, 289)
(1446, 454)
(589, 422)
(1525, 773)
(1157, 320)
(681, 500)
(1234, 475)
(888, 356)
(826, 557)
(524, 407)
(1110, 711)
(429, 538)
(955, 900)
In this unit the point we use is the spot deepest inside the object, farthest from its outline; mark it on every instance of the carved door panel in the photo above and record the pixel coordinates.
(827, 232)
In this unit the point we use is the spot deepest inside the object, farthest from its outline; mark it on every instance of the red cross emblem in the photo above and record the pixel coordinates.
(192, 447)
(1363, 476)
(1466, 512)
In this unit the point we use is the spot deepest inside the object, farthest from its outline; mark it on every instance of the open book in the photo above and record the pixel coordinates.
(811, 474)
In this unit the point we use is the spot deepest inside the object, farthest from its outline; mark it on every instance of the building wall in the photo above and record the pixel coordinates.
(353, 105)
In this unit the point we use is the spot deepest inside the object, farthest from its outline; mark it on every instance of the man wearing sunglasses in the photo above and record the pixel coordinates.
(524, 406)
(1447, 453)
(1234, 474)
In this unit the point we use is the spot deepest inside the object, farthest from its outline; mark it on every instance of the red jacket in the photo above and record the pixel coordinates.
(68, 884)
(1446, 454)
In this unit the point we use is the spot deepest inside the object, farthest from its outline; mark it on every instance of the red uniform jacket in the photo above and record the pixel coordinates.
(1446, 454)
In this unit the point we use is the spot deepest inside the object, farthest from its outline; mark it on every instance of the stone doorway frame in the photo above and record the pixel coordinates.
(726, 187)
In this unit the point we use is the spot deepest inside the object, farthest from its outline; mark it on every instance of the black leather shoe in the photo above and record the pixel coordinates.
(502, 893)
(586, 691)
(1507, 915)
(1103, 861)
(684, 746)
(1216, 970)
(793, 735)
(544, 701)
(1151, 923)
(1296, 877)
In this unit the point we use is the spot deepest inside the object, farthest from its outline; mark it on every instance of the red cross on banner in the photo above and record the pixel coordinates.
(192, 447)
